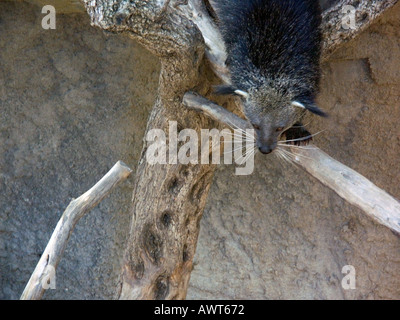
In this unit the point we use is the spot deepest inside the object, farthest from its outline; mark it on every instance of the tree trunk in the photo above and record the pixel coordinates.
(168, 200)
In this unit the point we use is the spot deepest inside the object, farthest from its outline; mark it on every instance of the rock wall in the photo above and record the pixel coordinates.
(70, 108)
(75, 100)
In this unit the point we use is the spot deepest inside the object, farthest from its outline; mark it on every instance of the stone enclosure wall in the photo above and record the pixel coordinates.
(69, 109)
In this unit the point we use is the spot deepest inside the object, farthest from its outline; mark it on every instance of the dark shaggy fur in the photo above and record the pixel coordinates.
(273, 49)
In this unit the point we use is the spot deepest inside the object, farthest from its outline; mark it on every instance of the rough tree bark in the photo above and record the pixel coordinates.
(365, 12)
(168, 200)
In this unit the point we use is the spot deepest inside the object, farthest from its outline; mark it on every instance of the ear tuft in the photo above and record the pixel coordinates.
(314, 109)
(224, 90)
(242, 93)
(298, 104)
(229, 90)
(310, 107)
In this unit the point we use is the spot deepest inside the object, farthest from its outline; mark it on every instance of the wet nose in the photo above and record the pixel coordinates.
(265, 149)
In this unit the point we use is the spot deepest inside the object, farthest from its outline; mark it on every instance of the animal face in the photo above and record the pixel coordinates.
(270, 113)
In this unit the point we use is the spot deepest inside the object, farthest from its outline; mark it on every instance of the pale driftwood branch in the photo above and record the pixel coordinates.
(215, 47)
(75, 211)
(333, 30)
(351, 186)
(347, 183)
(196, 102)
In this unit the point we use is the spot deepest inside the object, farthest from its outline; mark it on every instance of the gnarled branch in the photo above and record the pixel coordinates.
(75, 211)
(338, 27)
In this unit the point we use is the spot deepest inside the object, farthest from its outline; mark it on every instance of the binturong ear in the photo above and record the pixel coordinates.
(310, 107)
(230, 90)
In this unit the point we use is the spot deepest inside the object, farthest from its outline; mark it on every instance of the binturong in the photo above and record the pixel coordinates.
(273, 54)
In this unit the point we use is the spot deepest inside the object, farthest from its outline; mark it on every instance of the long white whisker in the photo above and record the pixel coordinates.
(305, 138)
(294, 156)
(244, 134)
(239, 148)
(294, 146)
(240, 130)
(277, 153)
(284, 156)
(233, 126)
(291, 157)
(243, 138)
(302, 126)
(249, 154)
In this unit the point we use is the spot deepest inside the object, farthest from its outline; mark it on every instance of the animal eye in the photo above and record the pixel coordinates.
(255, 126)
(279, 129)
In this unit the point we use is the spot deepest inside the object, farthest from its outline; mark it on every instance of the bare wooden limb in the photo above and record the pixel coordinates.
(339, 27)
(351, 186)
(196, 102)
(347, 183)
(76, 210)
(215, 47)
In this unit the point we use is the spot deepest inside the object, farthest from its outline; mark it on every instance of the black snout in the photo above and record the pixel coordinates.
(265, 149)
